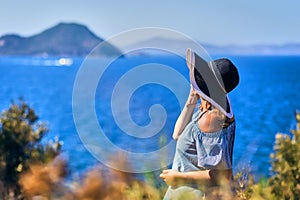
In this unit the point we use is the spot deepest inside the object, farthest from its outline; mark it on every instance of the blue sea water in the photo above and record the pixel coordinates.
(264, 103)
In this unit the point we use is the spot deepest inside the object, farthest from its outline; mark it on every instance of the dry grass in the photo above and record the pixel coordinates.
(109, 184)
(46, 181)
(43, 179)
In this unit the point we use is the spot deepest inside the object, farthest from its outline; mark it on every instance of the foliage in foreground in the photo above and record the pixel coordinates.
(30, 169)
(20, 138)
(285, 184)
(46, 181)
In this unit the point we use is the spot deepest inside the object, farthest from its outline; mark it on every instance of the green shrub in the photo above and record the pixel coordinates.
(20, 138)
(285, 183)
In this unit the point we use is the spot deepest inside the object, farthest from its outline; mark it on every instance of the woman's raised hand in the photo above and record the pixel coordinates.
(193, 96)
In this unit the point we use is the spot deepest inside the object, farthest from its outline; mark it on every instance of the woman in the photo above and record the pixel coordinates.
(203, 157)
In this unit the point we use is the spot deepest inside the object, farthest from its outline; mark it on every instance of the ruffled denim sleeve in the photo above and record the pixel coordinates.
(214, 150)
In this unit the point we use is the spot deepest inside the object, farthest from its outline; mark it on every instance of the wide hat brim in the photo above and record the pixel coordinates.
(211, 88)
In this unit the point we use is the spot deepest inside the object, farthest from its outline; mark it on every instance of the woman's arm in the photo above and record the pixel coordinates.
(203, 178)
(186, 114)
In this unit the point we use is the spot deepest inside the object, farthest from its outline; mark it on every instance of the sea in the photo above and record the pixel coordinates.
(146, 93)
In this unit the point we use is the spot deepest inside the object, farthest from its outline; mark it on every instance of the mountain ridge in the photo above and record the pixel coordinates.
(63, 39)
(73, 39)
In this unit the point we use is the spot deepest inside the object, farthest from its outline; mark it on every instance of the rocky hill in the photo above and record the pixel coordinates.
(64, 39)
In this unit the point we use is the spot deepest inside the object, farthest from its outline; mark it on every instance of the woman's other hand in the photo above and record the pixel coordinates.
(169, 176)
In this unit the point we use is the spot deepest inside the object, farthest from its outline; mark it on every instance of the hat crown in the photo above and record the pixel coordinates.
(227, 73)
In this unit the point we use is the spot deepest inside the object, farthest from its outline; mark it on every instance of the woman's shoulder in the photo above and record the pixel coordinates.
(211, 122)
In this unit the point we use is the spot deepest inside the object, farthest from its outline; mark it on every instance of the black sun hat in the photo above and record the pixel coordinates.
(213, 80)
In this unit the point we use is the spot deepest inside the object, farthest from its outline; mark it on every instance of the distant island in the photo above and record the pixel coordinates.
(71, 39)
(255, 49)
(64, 39)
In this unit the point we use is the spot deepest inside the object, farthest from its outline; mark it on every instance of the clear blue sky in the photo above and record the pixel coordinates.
(217, 22)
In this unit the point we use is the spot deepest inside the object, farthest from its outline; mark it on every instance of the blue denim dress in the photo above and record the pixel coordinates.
(197, 150)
